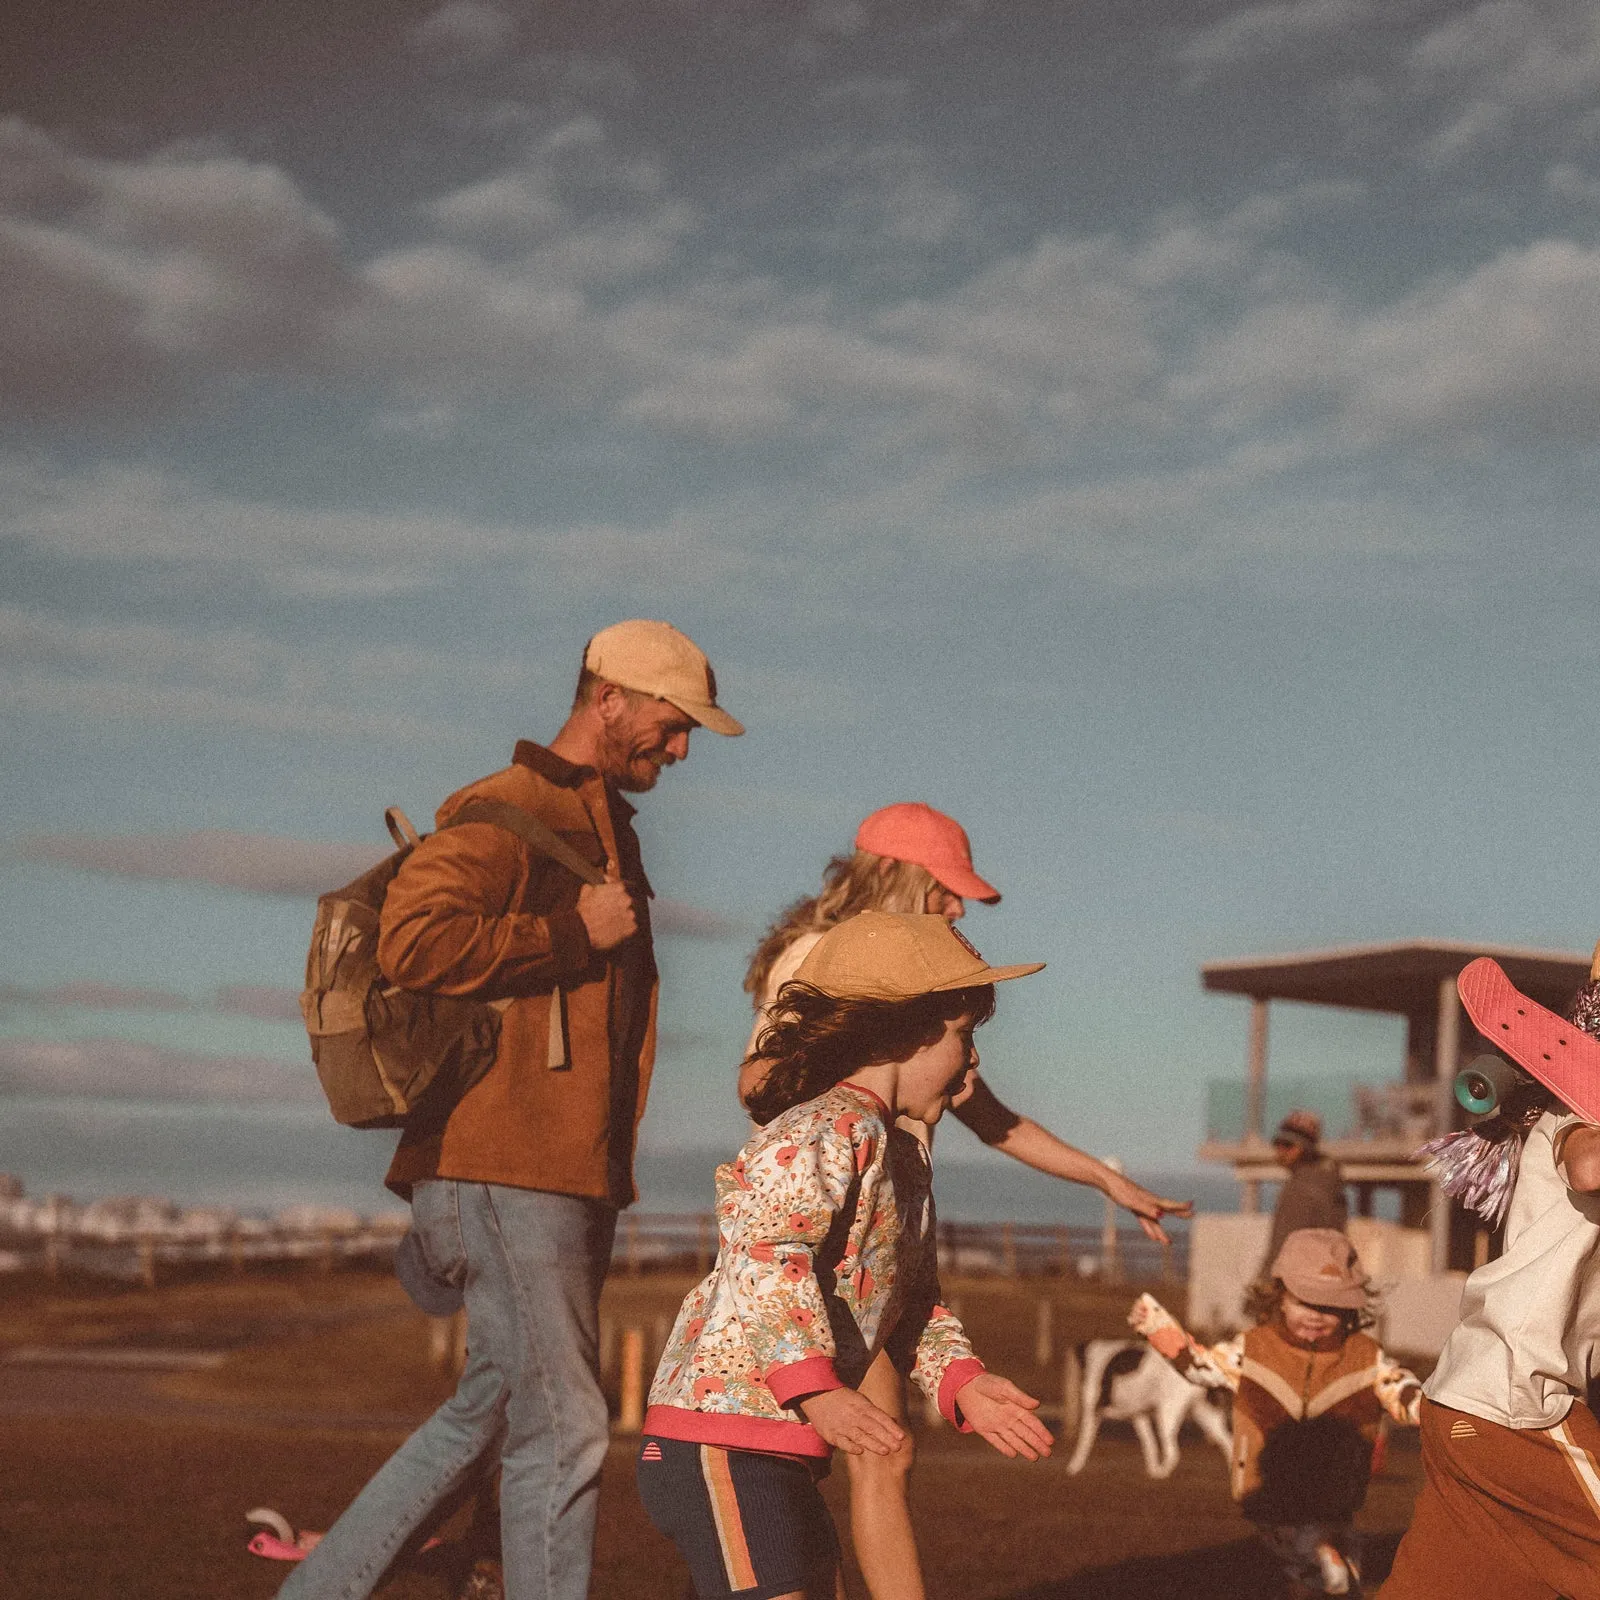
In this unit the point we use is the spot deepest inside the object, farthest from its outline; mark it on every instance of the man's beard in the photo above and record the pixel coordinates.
(629, 771)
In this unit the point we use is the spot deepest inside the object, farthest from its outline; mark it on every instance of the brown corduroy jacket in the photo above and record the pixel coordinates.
(476, 911)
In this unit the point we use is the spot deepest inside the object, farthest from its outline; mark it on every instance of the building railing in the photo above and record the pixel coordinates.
(1350, 1108)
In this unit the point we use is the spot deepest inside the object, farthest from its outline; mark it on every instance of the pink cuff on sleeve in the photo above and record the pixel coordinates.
(808, 1377)
(956, 1377)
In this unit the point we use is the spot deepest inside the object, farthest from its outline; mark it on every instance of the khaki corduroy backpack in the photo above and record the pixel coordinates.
(383, 1052)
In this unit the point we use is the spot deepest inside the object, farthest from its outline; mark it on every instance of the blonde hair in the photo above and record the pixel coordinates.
(859, 882)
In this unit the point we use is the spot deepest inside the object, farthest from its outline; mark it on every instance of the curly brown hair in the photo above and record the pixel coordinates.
(815, 1040)
(1263, 1298)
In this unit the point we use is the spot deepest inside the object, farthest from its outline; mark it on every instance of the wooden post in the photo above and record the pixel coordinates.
(630, 1408)
(608, 1344)
(147, 1261)
(1044, 1333)
(1255, 1086)
(1008, 1250)
(236, 1248)
(702, 1244)
(1071, 1394)
(1446, 1063)
(630, 1243)
(1166, 1260)
(1064, 1244)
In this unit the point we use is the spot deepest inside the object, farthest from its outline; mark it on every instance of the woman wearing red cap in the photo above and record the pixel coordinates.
(911, 858)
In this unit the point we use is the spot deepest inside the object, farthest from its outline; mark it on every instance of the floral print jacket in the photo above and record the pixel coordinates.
(826, 1256)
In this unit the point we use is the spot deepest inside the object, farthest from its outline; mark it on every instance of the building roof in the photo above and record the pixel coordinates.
(1403, 978)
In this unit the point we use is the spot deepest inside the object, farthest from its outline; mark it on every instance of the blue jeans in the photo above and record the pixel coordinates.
(531, 1265)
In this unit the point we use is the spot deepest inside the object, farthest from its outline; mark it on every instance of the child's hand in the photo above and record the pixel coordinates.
(1152, 1321)
(850, 1422)
(1147, 1207)
(1003, 1414)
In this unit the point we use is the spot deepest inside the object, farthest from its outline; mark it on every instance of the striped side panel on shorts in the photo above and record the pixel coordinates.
(717, 1472)
(1582, 1464)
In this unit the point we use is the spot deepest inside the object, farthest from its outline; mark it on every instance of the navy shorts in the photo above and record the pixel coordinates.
(748, 1524)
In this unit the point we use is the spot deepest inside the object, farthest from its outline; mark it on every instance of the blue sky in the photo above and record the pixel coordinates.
(1162, 436)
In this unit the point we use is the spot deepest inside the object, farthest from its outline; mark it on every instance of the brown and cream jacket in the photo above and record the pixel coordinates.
(1305, 1419)
(477, 911)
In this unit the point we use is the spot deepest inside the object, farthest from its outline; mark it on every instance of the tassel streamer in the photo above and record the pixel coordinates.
(1479, 1172)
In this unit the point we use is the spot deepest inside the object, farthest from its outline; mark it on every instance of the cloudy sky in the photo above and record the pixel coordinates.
(1162, 435)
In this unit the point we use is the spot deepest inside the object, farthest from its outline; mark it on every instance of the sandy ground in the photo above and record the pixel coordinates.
(134, 1481)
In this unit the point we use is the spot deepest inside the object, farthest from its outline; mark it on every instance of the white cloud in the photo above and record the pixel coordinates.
(1505, 355)
(98, 671)
(464, 33)
(1571, 183)
(1262, 32)
(123, 277)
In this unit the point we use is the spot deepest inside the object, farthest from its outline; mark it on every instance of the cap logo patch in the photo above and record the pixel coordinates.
(966, 943)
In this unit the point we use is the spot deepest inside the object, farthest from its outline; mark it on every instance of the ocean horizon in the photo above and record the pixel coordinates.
(262, 1158)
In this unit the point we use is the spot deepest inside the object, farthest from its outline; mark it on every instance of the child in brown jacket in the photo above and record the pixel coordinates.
(1310, 1390)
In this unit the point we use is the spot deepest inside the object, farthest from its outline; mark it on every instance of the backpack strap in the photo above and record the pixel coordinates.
(400, 829)
(528, 828)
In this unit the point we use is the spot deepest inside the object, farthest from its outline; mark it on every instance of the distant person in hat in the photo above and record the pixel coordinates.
(827, 1262)
(1510, 1501)
(1312, 1195)
(515, 1187)
(909, 857)
(1310, 1391)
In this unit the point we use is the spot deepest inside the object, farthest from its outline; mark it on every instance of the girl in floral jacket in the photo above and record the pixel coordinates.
(826, 1257)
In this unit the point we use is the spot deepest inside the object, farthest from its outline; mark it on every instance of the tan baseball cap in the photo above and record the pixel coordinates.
(1320, 1266)
(893, 955)
(654, 658)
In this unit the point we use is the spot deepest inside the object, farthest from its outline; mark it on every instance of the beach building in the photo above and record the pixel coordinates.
(1420, 1245)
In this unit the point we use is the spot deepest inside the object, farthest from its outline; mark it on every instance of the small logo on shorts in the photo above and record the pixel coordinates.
(651, 1452)
(1462, 1429)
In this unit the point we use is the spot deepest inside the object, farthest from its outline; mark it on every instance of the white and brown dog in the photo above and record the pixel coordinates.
(1127, 1381)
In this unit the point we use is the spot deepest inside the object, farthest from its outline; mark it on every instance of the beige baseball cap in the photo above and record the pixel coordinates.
(654, 658)
(1320, 1266)
(893, 955)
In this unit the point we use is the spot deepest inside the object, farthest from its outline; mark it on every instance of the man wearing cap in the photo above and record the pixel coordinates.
(1312, 1195)
(515, 1188)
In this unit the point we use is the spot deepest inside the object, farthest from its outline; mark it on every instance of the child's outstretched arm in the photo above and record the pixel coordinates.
(1213, 1367)
(1036, 1146)
(1399, 1391)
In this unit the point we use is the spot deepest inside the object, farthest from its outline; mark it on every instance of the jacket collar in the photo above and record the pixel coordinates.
(567, 774)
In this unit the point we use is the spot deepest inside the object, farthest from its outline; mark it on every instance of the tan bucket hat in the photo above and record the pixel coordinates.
(892, 955)
(1320, 1266)
(654, 658)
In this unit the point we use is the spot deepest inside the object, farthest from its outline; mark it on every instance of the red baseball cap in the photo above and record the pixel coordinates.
(911, 831)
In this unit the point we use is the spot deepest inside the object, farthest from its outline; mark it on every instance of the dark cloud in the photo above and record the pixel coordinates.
(123, 1069)
(90, 996)
(254, 863)
(266, 864)
(264, 1002)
